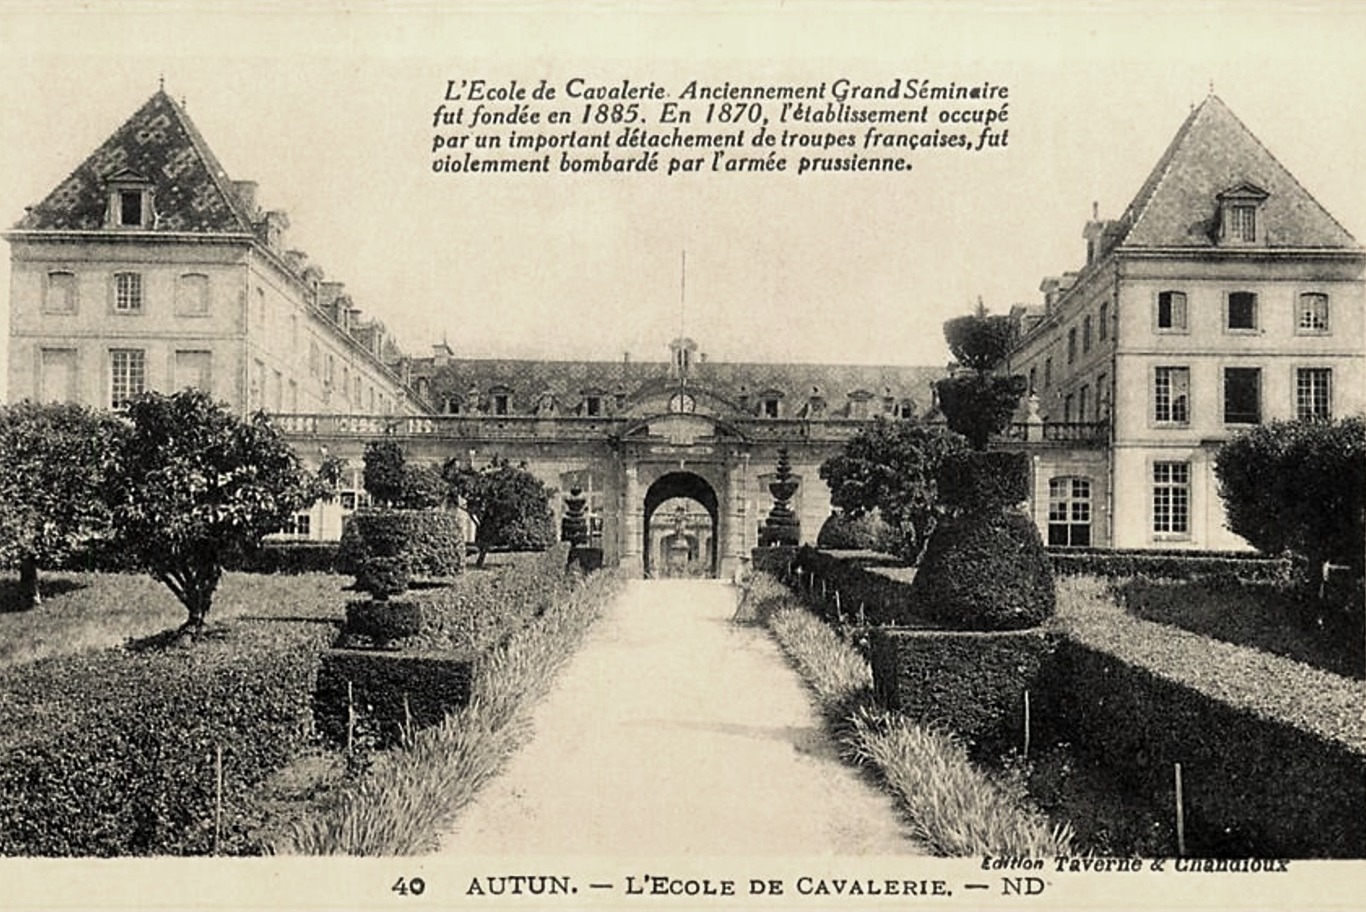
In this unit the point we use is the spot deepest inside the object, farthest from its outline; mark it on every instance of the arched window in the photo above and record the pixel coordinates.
(1069, 511)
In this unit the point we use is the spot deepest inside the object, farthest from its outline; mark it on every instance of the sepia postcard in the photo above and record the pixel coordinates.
(658, 264)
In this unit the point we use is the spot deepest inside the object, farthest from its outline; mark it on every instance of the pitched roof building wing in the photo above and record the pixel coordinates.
(1211, 154)
(191, 192)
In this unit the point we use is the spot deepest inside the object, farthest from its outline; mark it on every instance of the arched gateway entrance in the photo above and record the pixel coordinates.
(679, 540)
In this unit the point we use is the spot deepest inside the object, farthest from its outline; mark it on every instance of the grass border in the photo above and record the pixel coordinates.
(953, 807)
(410, 797)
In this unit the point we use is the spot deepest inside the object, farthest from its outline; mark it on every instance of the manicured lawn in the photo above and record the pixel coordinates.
(85, 611)
(1261, 616)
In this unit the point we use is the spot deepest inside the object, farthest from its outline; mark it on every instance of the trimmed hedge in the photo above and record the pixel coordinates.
(1273, 752)
(1248, 566)
(432, 540)
(112, 752)
(971, 682)
(480, 609)
(389, 691)
(985, 571)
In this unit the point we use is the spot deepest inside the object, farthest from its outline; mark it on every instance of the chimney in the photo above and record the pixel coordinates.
(1049, 287)
(297, 260)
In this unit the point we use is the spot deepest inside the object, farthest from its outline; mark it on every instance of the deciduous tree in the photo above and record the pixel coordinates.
(1298, 486)
(190, 485)
(51, 469)
(892, 466)
(510, 507)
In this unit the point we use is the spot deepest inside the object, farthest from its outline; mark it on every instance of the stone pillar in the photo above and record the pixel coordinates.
(632, 523)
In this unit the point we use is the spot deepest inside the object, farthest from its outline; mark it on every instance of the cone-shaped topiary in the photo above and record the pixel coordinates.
(985, 567)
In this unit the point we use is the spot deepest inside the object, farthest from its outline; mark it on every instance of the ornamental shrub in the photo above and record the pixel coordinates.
(985, 567)
(382, 622)
(432, 541)
(383, 577)
(869, 532)
(984, 481)
(985, 571)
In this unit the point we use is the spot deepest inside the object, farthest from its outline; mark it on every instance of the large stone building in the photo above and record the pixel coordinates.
(1224, 296)
(664, 452)
(147, 268)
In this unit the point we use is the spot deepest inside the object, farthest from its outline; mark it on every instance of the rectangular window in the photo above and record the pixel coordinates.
(1069, 512)
(1086, 335)
(1103, 321)
(1171, 395)
(1047, 373)
(1312, 316)
(128, 292)
(1171, 498)
(59, 295)
(192, 295)
(127, 375)
(500, 404)
(1171, 310)
(192, 370)
(1242, 310)
(1242, 223)
(57, 375)
(1033, 375)
(592, 406)
(1313, 393)
(314, 357)
(1102, 397)
(1083, 397)
(1067, 409)
(1242, 395)
(770, 408)
(1071, 345)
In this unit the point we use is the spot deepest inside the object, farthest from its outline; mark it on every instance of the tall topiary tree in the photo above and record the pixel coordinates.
(978, 402)
(383, 472)
(1298, 486)
(510, 507)
(51, 480)
(985, 567)
(190, 485)
(891, 466)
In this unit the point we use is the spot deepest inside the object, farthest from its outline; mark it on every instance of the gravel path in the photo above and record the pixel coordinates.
(672, 732)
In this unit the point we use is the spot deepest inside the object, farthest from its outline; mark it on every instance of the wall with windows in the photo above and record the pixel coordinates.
(96, 322)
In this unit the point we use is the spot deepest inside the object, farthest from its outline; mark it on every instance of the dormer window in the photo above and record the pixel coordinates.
(1240, 215)
(130, 201)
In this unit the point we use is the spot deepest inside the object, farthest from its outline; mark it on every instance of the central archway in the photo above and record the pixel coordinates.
(701, 550)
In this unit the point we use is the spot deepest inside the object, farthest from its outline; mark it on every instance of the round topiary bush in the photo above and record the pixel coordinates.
(433, 541)
(985, 571)
(869, 532)
(985, 567)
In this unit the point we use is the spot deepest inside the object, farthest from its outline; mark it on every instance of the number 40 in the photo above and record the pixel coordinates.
(406, 885)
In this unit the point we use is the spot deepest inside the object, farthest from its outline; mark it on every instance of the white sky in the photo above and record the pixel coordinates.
(329, 110)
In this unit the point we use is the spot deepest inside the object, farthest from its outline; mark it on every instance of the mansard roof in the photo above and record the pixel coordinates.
(159, 143)
(1211, 154)
(568, 381)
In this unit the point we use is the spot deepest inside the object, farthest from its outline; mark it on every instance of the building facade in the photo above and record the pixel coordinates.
(147, 268)
(1223, 297)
